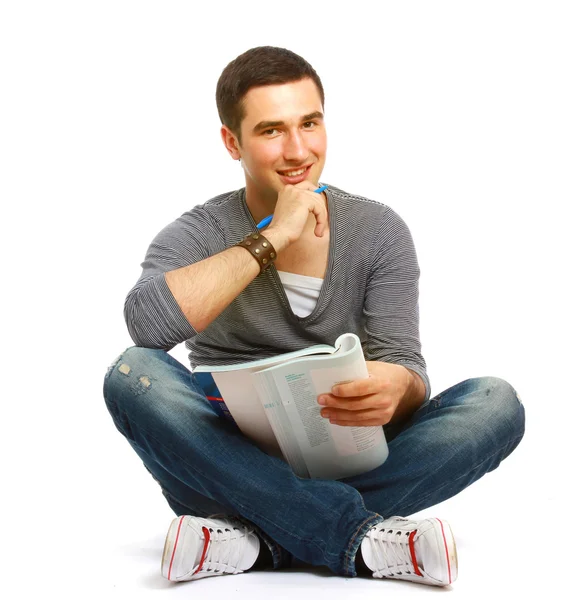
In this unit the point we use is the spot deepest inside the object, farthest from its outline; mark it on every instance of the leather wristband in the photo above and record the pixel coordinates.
(260, 248)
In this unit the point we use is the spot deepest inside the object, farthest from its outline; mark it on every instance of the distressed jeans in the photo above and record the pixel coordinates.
(205, 466)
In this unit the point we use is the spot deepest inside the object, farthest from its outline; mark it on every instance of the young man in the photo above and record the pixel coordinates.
(329, 263)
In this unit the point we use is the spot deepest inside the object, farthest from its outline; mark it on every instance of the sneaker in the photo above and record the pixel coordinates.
(196, 548)
(421, 551)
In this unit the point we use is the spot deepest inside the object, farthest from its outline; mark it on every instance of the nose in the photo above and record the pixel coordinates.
(295, 148)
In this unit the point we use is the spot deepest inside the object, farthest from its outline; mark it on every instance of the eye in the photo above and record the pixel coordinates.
(312, 123)
(267, 131)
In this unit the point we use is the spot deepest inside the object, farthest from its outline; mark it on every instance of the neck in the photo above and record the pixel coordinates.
(260, 204)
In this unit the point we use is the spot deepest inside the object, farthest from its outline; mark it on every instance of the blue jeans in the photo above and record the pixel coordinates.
(206, 466)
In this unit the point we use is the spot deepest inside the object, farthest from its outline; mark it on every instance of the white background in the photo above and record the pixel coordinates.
(459, 115)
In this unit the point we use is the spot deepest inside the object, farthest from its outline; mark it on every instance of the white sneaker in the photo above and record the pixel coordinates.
(421, 551)
(196, 547)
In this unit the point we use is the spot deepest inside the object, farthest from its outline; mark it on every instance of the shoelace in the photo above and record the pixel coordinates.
(222, 550)
(394, 552)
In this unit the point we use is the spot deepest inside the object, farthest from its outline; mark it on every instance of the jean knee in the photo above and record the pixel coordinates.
(121, 379)
(129, 386)
(504, 406)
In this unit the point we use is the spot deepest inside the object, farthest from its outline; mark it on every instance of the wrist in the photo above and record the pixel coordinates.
(417, 387)
(278, 240)
(261, 248)
(414, 395)
(412, 398)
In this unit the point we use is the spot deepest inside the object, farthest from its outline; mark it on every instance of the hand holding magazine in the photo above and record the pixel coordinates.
(274, 402)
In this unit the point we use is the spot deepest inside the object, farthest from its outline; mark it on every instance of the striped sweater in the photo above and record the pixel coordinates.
(370, 288)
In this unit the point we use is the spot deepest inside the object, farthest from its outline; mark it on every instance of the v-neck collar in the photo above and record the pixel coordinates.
(272, 273)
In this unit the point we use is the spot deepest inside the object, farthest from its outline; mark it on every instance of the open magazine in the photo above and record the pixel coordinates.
(273, 401)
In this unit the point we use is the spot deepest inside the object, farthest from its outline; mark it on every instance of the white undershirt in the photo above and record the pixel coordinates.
(302, 292)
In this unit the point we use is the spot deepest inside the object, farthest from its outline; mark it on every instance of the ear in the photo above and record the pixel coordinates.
(230, 142)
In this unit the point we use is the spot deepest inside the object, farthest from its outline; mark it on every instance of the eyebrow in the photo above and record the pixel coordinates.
(262, 125)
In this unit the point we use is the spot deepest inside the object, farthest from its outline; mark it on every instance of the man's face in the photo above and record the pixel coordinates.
(282, 131)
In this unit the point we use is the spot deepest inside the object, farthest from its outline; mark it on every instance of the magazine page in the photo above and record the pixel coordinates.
(232, 394)
(238, 397)
(330, 451)
(279, 422)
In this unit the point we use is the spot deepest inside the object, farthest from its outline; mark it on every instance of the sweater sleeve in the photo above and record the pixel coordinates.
(153, 316)
(391, 307)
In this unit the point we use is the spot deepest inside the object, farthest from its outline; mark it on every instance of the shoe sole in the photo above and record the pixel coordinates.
(171, 545)
(451, 564)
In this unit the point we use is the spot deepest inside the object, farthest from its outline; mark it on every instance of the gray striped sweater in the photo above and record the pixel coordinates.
(370, 288)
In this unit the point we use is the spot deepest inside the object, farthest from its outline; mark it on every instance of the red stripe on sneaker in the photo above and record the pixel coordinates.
(174, 550)
(206, 544)
(412, 551)
(446, 550)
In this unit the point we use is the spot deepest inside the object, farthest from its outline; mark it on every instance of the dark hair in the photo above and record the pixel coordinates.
(264, 65)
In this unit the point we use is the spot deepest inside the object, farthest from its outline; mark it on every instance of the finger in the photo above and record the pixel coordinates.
(320, 213)
(360, 387)
(366, 418)
(357, 403)
(372, 423)
(348, 415)
(337, 402)
(379, 417)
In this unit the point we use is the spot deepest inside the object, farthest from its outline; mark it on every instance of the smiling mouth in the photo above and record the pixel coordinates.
(294, 172)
